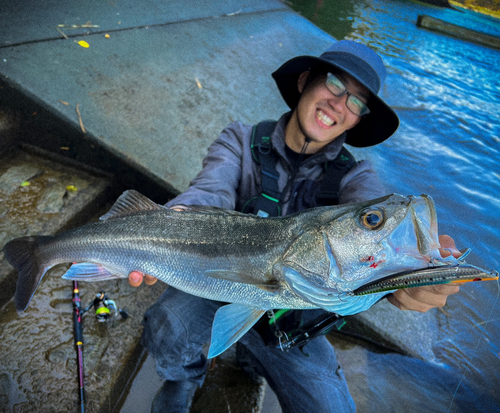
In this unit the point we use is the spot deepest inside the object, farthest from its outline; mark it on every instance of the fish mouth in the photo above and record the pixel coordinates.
(417, 234)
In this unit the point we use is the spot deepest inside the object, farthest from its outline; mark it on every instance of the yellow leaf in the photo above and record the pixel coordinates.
(83, 43)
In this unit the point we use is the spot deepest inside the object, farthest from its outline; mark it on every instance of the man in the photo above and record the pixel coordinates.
(334, 101)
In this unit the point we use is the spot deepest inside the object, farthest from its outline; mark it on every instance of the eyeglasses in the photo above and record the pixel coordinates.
(353, 103)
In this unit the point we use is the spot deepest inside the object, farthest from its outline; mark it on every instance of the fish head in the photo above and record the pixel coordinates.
(346, 246)
(381, 237)
(342, 248)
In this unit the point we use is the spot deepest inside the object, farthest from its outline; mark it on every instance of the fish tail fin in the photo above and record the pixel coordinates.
(22, 254)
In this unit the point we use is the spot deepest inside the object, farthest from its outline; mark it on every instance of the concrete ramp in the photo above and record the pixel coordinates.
(156, 95)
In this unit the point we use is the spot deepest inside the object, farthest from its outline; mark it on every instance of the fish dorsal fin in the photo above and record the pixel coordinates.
(131, 202)
(231, 322)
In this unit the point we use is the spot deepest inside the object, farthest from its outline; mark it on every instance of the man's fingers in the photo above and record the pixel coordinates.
(422, 299)
(135, 278)
(448, 247)
(149, 279)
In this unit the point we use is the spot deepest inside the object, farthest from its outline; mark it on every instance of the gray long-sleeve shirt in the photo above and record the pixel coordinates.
(230, 176)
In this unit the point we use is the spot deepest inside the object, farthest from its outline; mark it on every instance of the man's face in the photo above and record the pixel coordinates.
(321, 116)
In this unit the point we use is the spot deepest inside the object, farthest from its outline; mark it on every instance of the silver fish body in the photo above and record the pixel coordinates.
(312, 259)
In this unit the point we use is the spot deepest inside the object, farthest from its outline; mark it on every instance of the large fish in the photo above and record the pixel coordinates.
(312, 259)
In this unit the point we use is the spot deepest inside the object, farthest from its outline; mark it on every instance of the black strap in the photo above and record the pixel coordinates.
(268, 201)
(329, 190)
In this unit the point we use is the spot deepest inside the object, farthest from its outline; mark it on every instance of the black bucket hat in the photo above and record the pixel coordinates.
(364, 65)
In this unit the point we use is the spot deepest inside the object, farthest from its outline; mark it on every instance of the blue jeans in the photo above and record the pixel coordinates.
(178, 325)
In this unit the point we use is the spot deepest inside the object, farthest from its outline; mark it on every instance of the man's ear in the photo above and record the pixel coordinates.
(301, 83)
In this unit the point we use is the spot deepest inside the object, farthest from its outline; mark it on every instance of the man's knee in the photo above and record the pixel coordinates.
(175, 337)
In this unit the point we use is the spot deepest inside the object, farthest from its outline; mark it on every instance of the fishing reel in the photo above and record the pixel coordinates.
(103, 306)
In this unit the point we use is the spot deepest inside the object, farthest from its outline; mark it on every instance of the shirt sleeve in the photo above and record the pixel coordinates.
(217, 183)
(361, 183)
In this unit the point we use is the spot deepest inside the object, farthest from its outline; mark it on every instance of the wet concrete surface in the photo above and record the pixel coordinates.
(40, 196)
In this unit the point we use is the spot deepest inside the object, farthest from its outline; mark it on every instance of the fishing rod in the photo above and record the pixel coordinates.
(78, 329)
(102, 305)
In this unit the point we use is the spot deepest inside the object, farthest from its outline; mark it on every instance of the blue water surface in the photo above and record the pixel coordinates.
(447, 94)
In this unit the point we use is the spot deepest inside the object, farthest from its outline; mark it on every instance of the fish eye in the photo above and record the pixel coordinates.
(372, 219)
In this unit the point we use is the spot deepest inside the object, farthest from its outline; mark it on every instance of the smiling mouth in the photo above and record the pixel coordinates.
(324, 118)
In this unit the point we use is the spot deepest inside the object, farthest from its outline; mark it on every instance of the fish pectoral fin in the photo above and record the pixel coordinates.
(87, 271)
(272, 286)
(231, 322)
(131, 202)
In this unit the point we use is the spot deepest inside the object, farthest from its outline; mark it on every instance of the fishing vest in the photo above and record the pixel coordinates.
(269, 201)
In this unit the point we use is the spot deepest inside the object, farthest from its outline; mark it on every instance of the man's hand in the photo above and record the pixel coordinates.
(422, 299)
(135, 279)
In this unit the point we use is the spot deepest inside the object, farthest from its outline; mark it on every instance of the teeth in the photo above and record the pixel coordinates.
(325, 119)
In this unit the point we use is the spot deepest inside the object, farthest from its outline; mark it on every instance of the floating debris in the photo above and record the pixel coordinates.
(198, 83)
(84, 44)
(80, 118)
(78, 26)
(62, 33)
(234, 13)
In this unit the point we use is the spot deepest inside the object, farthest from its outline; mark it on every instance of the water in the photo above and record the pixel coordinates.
(447, 94)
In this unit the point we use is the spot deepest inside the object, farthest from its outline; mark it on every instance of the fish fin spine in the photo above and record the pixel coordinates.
(131, 202)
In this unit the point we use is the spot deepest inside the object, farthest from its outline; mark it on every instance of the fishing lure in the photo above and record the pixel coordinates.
(428, 276)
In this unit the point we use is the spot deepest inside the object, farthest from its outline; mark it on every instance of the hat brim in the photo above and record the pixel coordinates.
(373, 129)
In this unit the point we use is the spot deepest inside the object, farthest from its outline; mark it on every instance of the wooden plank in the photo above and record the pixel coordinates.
(459, 32)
